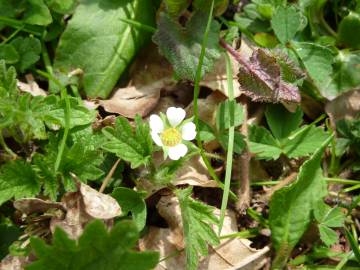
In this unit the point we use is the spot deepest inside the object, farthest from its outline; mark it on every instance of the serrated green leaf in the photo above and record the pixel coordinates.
(281, 121)
(18, 180)
(96, 249)
(9, 54)
(291, 207)
(166, 172)
(327, 235)
(304, 142)
(263, 144)
(205, 132)
(197, 219)
(97, 26)
(239, 142)
(285, 22)
(135, 148)
(37, 13)
(331, 217)
(131, 201)
(29, 49)
(182, 46)
(223, 115)
(346, 30)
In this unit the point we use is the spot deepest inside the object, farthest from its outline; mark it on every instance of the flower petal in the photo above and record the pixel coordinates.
(156, 138)
(156, 124)
(188, 131)
(175, 115)
(177, 151)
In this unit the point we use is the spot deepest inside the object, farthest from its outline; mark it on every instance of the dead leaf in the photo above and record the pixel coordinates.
(13, 263)
(99, 205)
(345, 106)
(31, 86)
(232, 253)
(35, 205)
(217, 78)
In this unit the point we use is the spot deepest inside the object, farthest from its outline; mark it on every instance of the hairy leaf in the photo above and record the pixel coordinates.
(197, 218)
(182, 46)
(96, 249)
(100, 43)
(134, 147)
(18, 180)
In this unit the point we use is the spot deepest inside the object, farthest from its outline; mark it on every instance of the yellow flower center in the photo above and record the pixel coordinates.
(170, 137)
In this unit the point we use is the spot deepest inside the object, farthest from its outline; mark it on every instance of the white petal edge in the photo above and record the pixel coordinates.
(175, 115)
(156, 124)
(177, 151)
(156, 138)
(188, 131)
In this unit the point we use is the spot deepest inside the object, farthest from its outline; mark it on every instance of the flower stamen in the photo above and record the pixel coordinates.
(170, 137)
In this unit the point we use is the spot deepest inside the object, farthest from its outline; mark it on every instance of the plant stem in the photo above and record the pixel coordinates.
(5, 147)
(243, 234)
(108, 176)
(214, 156)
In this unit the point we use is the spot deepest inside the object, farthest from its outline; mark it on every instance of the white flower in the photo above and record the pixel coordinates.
(170, 131)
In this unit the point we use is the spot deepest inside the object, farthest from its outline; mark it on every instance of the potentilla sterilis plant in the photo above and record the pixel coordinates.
(170, 132)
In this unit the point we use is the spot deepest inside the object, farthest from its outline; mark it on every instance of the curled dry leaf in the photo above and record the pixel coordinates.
(217, 78)
(345, 106)
(31, 86)
(234, 253)
(35, 205)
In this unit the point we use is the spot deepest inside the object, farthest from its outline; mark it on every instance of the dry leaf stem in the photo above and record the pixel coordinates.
(108, 176)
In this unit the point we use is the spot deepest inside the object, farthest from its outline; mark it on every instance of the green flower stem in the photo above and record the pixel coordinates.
(214, 156)
(243, 234)
(5, 147)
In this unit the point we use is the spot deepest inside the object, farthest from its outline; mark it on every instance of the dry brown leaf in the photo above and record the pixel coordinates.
(99, 205)
(13, 263)
(234, 253)
(217, 78)
(345, 106)
(31, 86)
(35, 205)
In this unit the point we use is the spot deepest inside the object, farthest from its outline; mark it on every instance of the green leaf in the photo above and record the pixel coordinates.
(281, 121)
(263, 144)
(318, 63)
(327, 235)
(304, 142)
(96, 249)
(205, 132)
(166, 172)
(135, 148)
(197, 220)
(18, 180)
(291, 207)
(8, 234)
(29, 49)
(97, 26)
(331, 217)
(346, 30)
(182, 46)
(9, 54)
(61, 6)
(354, 244)
(176, 7)
(131, 201)
(223, 115)
(286, 22)
(239, 143)
(220, 6)
(37, 13)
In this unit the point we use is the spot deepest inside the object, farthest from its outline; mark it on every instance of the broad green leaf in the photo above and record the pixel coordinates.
(304, 142)
(263, 144)
(318, 63)
(327, 235)
(9, 54)
(285, 22)
(18, 180)
(37, 13)
(135, 148)
(98, 41)
(346, 33)
(182, 46)
(220, 6)
(29, 49)
(61, 6)
(96, 249)
(131, 201)
(281, 121)
(197, 219)
(223, 115)
(8, 234)
(331, 217)
(266, 40)
(176, 7)
(291, 207)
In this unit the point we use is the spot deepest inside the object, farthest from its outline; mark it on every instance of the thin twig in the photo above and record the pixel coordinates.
(108, 176)
(287, 180)
(244, 187)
